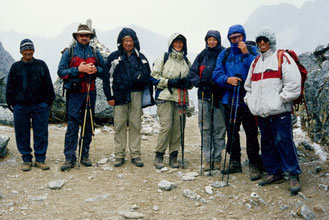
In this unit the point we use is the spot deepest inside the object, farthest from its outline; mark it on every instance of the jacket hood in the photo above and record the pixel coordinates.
(268, 33)
(171, 40)
(215, 34)
(236, 29)
(127, 32)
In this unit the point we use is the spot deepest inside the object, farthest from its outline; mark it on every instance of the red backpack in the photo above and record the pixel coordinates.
(302, 71)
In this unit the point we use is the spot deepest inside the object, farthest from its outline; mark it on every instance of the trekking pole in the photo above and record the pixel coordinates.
(82, 136)
(233, 127)
(202, 100)
(92, 124)
(212, 150)
(184, 120)
(229, 132)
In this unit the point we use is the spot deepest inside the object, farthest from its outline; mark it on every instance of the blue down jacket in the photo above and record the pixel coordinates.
(235, 63)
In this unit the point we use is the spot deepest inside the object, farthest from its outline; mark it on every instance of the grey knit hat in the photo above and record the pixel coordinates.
(26, 44)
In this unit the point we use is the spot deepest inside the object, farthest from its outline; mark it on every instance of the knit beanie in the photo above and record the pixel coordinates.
(26, 44)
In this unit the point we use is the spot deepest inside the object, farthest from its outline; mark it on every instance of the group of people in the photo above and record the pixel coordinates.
(233, 89)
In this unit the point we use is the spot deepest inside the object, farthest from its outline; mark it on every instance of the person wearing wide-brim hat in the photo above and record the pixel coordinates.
(79, 67)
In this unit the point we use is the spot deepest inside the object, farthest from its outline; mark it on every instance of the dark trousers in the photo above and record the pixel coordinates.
(37, 116)
(76, 105)
(250, 127)
(278, 148)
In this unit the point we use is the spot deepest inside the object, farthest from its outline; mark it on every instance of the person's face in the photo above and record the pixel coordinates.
(178, 45)
(83, 38)
(212, 42)
(263, 44)
(27, 54)
(128, 44)
(236, 39)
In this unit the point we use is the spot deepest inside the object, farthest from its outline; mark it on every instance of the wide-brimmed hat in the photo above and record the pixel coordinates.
(83, 29)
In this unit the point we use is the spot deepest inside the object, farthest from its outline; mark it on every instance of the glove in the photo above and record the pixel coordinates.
(174, 83)
(185, 83)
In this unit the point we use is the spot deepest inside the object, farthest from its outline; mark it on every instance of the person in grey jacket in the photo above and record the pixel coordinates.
(270, 92)
(171, 89)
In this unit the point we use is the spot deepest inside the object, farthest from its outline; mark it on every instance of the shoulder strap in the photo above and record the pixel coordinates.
(254, 64)
(165, 57)
(227, 52)
(280, 56)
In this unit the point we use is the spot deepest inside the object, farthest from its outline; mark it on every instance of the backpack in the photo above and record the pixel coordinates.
(302, 70)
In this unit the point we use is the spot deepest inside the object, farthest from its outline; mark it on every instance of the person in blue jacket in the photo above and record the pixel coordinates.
(211, 112)
(231, 70)
(79, 67)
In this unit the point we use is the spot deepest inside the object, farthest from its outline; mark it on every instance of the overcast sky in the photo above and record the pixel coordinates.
(191, 17)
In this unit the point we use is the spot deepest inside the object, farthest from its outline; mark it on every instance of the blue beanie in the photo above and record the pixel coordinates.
(26, 44)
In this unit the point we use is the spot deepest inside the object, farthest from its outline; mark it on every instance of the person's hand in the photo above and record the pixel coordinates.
(87, 68)
(111, 102)
(243, 47)
(234, 81)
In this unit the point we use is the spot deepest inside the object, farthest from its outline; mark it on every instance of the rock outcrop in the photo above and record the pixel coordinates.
(317, 94)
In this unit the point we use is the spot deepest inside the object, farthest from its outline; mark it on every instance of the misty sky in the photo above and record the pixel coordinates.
(191, 17)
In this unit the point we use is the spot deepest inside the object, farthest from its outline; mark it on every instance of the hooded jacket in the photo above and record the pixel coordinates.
(124, 74)
(270, 92)
(175, 67)
(235, 63)
(203, 67)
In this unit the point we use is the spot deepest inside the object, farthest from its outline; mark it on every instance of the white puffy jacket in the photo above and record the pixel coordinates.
(268, 94)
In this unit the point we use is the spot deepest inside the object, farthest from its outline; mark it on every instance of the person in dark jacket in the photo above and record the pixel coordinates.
(231, 68)
(211, 112)
(79, 67)
(126, 75)
(30, 94)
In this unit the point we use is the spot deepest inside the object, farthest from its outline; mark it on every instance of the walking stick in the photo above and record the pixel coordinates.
(202, 100)
(182, 112)
(212, 150)
(82, 136)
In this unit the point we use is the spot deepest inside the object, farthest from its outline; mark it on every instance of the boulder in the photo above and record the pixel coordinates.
(6, 116)
(3, 145)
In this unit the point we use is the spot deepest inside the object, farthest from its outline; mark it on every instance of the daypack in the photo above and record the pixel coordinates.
(302, 71)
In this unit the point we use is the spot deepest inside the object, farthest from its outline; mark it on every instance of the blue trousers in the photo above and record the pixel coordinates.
(248, 122)
(23, 116)
(76, 105)
(278, 149)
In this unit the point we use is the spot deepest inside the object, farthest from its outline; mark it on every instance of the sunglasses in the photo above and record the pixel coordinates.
(84, 35)
(260, 39)
(235, 37)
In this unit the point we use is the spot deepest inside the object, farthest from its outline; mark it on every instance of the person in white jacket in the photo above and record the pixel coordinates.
(270, 92)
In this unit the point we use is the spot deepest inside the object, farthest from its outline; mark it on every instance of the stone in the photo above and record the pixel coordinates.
(147, 130)
(120, 176)
(208, 190)
(259, 199)
(248, 205)
(57, 184)
(155, 208)
(218, 184)
(166, 185)
(283, 207)
(188, 178)
(306, 212)
(3, 145)
(131, 215)
(97, 198)
(323, 186)
(193, 196)
(39, 198)
(179, 174)
(103, 161)
(164, 169)
(318, 169)
(301, 195)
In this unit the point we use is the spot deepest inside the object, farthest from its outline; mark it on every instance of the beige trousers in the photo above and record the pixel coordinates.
(169, 135)
(128, 115)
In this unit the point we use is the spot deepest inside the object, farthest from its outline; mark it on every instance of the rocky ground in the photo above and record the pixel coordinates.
(105, 192)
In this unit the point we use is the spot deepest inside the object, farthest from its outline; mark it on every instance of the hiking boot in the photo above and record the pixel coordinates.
(27, 166)
(294, 184)
(207, 166)
(173, 160)
(255, 172)
(158, 162)
(67, 165)
(217, 165)
(119, 162)
(137, 162)
(269, 179)
(234, 168)
(41, 165)
(86, 162)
